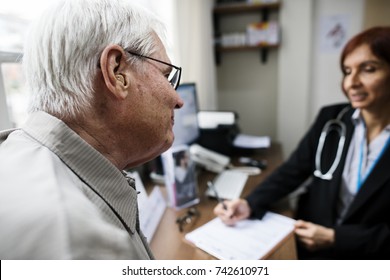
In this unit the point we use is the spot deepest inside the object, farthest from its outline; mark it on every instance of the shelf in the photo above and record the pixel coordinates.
(242, 8)
(263, 51)
(245, 48)
(221, 10)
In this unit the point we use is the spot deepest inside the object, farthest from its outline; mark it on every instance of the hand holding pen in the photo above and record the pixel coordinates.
(230, 211)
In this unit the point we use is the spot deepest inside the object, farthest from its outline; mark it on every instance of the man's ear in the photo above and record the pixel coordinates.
(115, 70)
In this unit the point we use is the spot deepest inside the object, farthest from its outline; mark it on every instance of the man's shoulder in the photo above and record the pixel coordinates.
(32, 200)
(5, 133)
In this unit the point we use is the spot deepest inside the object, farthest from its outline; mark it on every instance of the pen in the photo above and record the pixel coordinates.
(211, 187)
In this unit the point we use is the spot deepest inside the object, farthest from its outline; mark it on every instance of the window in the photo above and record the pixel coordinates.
(15, 92)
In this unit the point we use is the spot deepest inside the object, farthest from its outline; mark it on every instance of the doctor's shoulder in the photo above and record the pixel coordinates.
(335, 111)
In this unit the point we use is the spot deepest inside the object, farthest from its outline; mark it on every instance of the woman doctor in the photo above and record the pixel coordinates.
(345, 211)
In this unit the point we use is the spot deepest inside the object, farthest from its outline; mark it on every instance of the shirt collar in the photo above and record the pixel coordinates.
(357, 119)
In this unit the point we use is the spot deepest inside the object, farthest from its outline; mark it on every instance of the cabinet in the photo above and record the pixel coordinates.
(223, 10)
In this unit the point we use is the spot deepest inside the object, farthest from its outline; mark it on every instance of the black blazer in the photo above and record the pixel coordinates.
(365, 230)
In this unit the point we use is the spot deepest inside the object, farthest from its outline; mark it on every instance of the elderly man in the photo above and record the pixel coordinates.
(103, 99)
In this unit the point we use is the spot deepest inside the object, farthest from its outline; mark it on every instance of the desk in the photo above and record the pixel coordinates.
(168, 242)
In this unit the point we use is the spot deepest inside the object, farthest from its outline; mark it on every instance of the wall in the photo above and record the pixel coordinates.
(193, 41)
(294, 72)
(245, 84)
(376, 13)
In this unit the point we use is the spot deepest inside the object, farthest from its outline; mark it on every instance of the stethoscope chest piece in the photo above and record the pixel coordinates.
(327, 176)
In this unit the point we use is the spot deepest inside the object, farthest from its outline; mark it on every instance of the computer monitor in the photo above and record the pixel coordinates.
(186, 127)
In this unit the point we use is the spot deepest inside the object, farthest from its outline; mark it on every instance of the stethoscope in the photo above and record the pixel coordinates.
(331, 125)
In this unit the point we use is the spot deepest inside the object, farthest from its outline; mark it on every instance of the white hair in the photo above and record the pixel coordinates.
(63, 49)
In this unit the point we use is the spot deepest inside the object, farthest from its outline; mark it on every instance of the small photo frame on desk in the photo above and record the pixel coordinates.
(180, 177)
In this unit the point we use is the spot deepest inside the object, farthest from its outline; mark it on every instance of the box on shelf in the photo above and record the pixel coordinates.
(263, 33)
(233, 39)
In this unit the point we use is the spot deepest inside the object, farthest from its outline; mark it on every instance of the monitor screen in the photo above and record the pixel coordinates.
(186, 127)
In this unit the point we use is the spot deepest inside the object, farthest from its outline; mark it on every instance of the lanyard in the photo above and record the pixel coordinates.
(360, 180)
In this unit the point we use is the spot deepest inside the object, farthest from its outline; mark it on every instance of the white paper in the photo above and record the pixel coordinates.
(228, 184)
(151, 208)
(142, 194)
(247, 240)
(150, 213)
(169, 175)
(211, 119)
(252, 142)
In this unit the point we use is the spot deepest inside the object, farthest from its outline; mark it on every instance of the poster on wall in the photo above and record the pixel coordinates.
(333, 33)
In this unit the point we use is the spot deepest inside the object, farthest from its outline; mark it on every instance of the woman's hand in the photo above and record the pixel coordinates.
(237, 209)
(313, 236)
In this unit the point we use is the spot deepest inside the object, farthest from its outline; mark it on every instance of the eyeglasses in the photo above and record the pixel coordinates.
(173, 77)
(186, 219)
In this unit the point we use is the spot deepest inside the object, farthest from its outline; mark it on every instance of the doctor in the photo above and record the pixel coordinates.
(344, 213)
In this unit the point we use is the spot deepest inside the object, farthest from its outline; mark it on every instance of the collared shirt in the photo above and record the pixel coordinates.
(61, 199)
(370, 153)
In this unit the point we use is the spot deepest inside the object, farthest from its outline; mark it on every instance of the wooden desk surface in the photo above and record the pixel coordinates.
(169, 243)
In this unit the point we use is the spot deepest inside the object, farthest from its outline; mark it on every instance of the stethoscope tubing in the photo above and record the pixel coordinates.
(340, 127)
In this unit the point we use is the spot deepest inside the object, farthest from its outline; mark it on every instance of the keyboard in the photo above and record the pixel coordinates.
(229, 184)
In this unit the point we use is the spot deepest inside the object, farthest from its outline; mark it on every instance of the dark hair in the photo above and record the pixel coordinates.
(377, 39)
